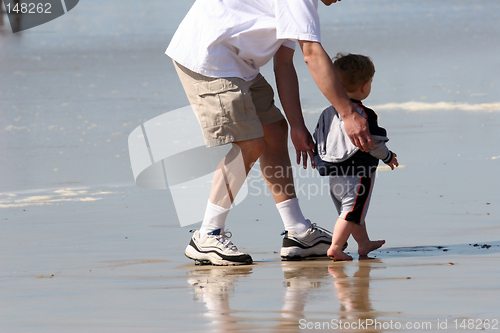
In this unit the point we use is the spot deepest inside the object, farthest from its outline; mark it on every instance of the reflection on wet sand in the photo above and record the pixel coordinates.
(352, 292)
(213, 286)
(299, 279)
(304, 281)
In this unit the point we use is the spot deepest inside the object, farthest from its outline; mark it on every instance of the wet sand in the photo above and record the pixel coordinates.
(82, 248)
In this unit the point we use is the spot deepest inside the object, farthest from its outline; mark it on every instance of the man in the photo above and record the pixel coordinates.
(217, 51)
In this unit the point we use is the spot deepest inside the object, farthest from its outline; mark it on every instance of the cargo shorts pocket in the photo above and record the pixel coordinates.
(221, 101)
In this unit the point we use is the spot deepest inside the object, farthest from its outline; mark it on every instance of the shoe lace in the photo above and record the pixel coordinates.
(223, 238)
(315, 226)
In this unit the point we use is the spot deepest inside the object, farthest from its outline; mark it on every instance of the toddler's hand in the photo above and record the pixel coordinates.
(394, 161)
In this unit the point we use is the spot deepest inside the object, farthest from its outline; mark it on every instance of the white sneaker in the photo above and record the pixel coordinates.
(314, 242)
(216, 249)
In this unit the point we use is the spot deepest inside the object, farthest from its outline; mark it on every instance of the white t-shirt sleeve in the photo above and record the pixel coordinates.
(290, 44)
(297, 20)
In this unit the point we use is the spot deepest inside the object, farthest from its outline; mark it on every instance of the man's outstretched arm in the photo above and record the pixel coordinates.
(321, 68)
(288, 91)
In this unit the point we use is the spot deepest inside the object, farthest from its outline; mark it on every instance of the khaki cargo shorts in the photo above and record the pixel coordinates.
(229, 109)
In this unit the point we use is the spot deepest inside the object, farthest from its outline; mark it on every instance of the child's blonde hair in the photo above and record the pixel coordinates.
(354, 70)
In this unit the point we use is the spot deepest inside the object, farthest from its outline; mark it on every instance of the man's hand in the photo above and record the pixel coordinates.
(394, 162)
(356, 128)
(321, 68)
(288, 91)
(304, 145)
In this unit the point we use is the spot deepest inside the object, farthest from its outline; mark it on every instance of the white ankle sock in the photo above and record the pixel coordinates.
(292, 216)
(215, 218)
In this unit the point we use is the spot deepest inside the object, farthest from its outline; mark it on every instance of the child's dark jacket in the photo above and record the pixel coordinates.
(335, 154)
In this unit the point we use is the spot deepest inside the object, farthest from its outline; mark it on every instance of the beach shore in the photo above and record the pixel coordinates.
(83, 248)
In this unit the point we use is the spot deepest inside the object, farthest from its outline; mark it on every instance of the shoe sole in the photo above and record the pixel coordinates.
(297, 253)
(212, 258)
(294, 253)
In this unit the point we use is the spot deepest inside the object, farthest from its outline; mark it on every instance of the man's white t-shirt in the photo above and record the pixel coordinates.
(234, 38)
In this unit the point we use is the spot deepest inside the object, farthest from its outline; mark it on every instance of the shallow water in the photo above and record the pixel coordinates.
(72, 90)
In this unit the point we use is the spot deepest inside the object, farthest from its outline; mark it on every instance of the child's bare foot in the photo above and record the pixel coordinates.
(364, 249)
(335, 252)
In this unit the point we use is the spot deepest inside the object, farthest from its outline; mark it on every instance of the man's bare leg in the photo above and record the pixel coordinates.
(211, 244)
(275, 162)
(228, 178)
(272, 149)
(277, 172)
(302, 239)
(232, 171)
